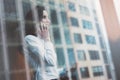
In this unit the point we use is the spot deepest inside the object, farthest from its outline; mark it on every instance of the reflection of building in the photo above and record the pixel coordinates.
(75, 32)
(85, 46)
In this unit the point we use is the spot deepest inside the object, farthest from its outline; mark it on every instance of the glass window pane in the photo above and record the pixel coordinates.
(74, 22)
(105, 57)
(109, 74)
(64, 18)
(10, 9)
(84, 10)
(14, 50)
(90, 39)
(81, 55)
(86, 24)
(71, 57)
(54, 18)
(71, 6)
(94, 55)
(84, 72)
(67, 36)
(57, 36)
(98, 28)
(77, 38)
(60, 57)
(97, 70)
(13, 32)
(102, 44)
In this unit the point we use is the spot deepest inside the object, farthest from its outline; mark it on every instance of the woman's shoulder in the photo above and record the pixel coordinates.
(31, 38)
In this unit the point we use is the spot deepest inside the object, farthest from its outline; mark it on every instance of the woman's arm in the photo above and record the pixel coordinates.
(42, 49)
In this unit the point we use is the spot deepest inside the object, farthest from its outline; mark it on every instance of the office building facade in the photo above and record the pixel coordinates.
(75, 31)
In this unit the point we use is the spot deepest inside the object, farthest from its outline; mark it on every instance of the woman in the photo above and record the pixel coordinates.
(40, 48)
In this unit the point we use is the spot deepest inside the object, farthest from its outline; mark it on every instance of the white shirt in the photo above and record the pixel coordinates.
(42, 50)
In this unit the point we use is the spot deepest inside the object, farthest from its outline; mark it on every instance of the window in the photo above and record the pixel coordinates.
(84, 72)
(62, 6)
(67, 36)
(12, 31)
(102, 42)
(90, 39)
(57, 36)
(60, 57)
(64, 18)
(94, 55)
(74, 22)
(10, 9)
(98, 28)
(86, 24)
(108, 71)
(97, 70)
(81, 55)
(53, 15)
(104, 53)
(84, 10)
(51, 2)
(71, 56)
(71, 6)
(77, 38)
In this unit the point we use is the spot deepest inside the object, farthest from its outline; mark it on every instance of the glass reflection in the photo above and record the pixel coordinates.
(10, 9)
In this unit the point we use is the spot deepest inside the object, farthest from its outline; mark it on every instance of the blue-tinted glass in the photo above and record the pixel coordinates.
(97, 70)
(84, 10)
(71, 6)
(53, 15)
(84, 72)
(102, 42)
(94, 55)
(90, 39)
(71, 57)
(74, 22)
(56, 34)
(61, 5)
(81, 55)
(64, 18)
(51, 2)
(10, 9)
(108, 69)
(77, 38)
(86, 24)
(105, 57)
(60, 57)
(98, 28)
(67, 36)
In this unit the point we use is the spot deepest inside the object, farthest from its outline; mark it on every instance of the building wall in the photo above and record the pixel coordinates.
(113, 27)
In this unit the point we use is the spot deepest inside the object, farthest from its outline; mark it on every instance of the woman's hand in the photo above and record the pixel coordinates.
(44, 31)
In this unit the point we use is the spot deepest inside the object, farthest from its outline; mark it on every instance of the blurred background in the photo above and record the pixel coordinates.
(85, 34)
